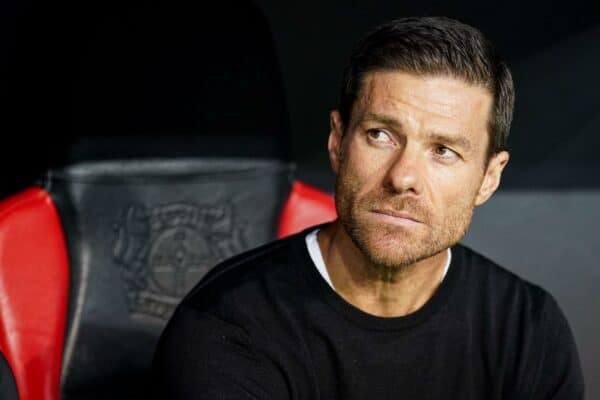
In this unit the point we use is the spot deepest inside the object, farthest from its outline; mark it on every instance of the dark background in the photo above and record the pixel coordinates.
(72, 69)
(552, 49)
(131, 79)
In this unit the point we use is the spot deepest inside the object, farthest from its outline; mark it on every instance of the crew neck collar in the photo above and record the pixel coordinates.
(366, 320)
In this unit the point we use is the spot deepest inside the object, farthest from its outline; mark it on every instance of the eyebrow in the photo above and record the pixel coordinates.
(383, 119)
(459, 141)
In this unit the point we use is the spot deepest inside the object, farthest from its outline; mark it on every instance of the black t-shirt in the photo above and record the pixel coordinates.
(266, 325)
(8, 386)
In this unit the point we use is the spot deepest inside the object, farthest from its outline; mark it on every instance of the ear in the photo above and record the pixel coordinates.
(491, 179)
(334, 144)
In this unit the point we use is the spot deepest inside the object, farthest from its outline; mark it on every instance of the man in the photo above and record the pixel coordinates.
(382, 303)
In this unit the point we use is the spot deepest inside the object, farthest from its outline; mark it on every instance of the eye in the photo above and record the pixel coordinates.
(445, 153)
(379, 136)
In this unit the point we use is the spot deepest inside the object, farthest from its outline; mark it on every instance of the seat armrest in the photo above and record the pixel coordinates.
(306, 206)
(34, 282)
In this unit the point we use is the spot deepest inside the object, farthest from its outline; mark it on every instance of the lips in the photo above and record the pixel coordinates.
(399, 216)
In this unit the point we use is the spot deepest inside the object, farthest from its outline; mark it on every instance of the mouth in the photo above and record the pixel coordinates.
(395, 217)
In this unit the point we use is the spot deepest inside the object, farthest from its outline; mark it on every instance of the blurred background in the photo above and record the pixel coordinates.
(94, 80)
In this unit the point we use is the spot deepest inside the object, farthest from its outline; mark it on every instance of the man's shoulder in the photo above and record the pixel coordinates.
(222, 329)
(500, 287)
(245, 278)
(525, 327)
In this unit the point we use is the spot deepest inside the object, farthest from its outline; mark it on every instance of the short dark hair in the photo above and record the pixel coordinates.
(434, 46)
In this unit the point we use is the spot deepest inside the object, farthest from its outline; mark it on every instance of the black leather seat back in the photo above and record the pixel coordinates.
(140, 234)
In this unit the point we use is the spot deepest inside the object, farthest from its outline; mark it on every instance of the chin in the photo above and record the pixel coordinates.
(398, 255)
(391, 246)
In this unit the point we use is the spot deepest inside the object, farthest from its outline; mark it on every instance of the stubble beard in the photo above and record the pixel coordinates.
(389, 246)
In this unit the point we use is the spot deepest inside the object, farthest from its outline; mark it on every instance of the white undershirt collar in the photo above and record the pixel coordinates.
(317, 257)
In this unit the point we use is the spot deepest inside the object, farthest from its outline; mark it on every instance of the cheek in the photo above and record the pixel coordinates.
(361, 170)
(453, 189)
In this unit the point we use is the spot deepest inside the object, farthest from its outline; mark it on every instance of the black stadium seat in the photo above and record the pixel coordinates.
(177, 157)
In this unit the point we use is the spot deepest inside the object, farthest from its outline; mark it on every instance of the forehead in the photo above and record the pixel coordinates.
(436, 102)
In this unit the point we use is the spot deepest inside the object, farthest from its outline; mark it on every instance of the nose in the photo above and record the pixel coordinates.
(404, 174)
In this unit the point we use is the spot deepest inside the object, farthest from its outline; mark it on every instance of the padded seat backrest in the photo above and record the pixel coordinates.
(139, 235)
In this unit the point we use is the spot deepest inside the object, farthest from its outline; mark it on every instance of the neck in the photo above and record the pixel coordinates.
(377, 290)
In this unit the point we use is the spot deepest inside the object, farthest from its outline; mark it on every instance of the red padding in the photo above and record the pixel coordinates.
(306, 206)
(34, 279)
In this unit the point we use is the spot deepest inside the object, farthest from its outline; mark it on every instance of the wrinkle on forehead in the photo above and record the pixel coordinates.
(439, 97)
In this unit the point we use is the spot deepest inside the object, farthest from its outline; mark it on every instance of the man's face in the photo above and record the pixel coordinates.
(411, 166)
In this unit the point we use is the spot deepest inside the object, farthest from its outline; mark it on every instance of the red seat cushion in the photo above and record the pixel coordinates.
(34, 278)
(306, 206)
